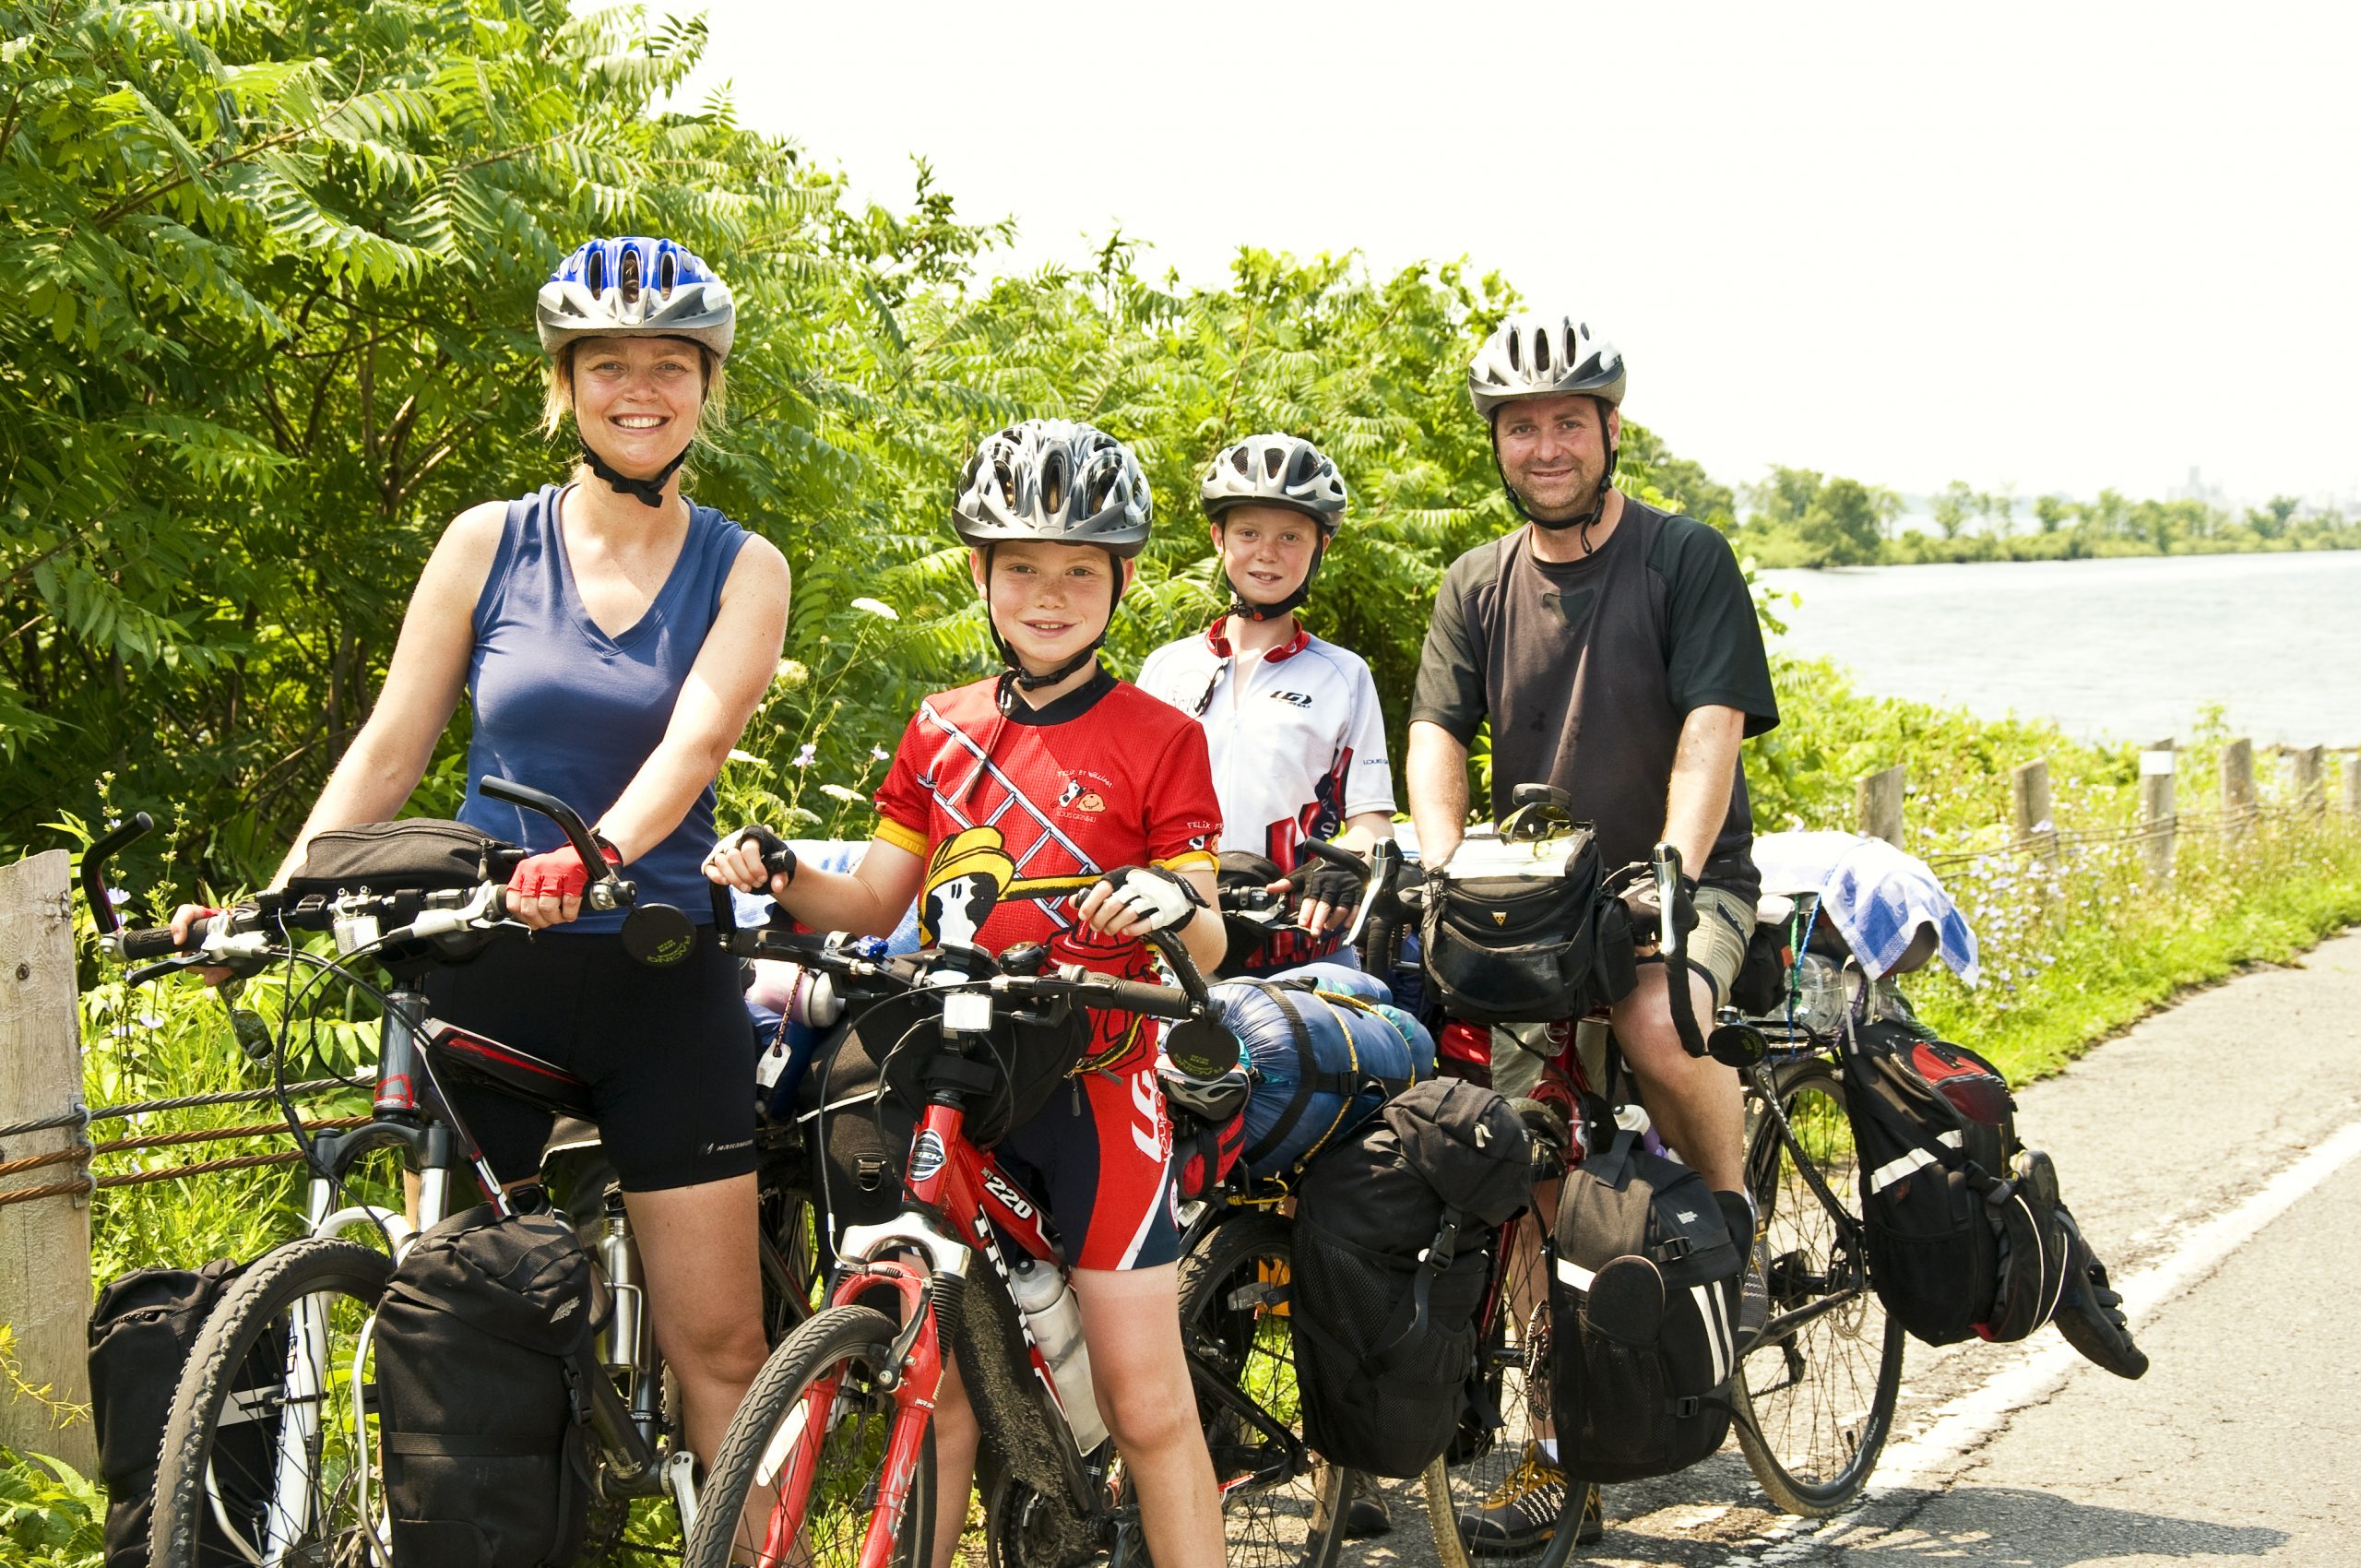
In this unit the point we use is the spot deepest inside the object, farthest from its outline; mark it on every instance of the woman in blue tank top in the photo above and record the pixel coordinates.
(613, 640)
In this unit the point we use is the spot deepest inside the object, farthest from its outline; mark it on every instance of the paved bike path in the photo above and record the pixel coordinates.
(2242, 1446)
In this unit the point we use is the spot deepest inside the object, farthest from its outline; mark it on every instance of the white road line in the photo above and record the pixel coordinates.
(1967, 1420)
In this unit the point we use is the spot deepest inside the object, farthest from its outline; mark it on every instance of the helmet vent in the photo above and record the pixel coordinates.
(627, 275)
(1053, 483)
(667, 271)
(594, 272)
(1516, 352)
(1006, 478)
(1274, 458)
(1237, 461)
(1541, 350)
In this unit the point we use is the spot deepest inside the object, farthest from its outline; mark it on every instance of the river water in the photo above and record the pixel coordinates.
(2121, 649)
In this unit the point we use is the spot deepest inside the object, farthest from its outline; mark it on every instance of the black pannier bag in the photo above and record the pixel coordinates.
(1511, 931)
(141, 1332)
(486, 1458)
(1962, 1217)
(1643, 1293)
(865, 1120)
(420, 854)
(1393, 1254)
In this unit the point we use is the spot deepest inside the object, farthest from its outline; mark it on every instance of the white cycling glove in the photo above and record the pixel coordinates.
(1161, 900)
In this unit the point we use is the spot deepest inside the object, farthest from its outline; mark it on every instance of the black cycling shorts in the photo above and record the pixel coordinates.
(668, 1053)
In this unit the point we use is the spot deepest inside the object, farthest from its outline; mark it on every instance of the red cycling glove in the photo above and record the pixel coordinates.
(559, 873)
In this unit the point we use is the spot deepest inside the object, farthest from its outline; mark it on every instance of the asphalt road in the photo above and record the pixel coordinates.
(2210, 1155)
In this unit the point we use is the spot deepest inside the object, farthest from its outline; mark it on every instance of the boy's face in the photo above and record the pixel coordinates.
(1265, 551)
(1049, 601)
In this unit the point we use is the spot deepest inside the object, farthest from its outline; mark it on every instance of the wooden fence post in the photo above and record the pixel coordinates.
(1876, 801)
(2237, 787)
(2304, 780)
(44, 1243)
(2156, 815)
(2352, 785)
(2029, 787)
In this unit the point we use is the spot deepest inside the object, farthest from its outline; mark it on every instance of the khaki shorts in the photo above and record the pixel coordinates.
(1716, 948)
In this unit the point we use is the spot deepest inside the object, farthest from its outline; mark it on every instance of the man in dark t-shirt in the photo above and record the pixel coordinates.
(1614, 650)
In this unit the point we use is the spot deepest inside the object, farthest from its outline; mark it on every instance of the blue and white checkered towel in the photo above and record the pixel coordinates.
(1877, 896)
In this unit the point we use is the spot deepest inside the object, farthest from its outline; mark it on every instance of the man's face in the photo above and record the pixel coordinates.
(1049, 600)
(1265, 551)
(1553, 451)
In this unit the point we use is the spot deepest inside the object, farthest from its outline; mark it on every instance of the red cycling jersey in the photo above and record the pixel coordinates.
(1015, 813)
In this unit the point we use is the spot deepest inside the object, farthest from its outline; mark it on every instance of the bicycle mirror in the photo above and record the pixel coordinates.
(657, 934)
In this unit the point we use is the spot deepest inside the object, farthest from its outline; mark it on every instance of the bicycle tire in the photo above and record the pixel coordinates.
(1487, 1454)
(213, 1501)
(1814, 1406)
(1275, 1512)
(853, 1345)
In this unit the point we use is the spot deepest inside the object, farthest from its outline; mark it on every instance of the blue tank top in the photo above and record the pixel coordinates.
(563, 707)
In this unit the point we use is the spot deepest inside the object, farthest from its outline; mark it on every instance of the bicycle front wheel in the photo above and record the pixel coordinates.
(797, 1477)
(1815, 1396)
(270, 1453)
(1282, 1505)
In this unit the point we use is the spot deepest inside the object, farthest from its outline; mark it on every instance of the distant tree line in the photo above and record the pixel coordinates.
(1799, 518)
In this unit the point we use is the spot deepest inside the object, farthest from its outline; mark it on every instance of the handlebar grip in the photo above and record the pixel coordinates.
(1136, 996)
(725, 909)
(157, 942)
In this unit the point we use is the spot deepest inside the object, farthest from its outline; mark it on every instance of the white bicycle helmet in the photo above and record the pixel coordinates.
(1544, 356)
(635, 286)
(1275, 471)
(1056, 481)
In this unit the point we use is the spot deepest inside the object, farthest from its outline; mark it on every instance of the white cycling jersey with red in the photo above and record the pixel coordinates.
(1297, 741)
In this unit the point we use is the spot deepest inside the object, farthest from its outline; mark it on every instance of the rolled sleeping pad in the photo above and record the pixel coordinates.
(1320, 1064)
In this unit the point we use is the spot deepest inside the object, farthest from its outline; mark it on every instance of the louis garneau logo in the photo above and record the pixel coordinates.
(1300, 699)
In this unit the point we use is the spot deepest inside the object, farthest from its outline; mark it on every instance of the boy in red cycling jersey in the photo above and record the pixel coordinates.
(1055, 803)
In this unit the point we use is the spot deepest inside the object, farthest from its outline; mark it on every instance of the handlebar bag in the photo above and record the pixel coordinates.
(866, 1088)
(1512, 933)
(1320, 1061)
(419, 854)
(1963, 1234)
(1643, 1301)
(141, 1333)
(487, 1458)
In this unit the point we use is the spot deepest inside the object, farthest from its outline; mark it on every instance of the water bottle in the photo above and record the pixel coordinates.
(620, 1348)
(1054, 1318)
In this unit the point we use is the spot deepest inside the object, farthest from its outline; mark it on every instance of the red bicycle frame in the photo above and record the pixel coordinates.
(948, 1177)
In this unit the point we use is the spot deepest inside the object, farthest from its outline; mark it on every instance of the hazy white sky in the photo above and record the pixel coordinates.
(2056, 246)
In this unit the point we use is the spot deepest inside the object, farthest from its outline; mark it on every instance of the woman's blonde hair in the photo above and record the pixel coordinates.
(713, 414)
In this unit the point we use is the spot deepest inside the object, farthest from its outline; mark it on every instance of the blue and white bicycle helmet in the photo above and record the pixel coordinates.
(635, 286)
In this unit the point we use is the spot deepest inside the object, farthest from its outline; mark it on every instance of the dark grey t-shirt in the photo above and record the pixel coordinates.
(1588, 669)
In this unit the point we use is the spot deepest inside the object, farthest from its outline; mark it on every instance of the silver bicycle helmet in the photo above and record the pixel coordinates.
(1063, 483)
(1055, 480)
(1275, 471)
(1544, 356)
(635, 286)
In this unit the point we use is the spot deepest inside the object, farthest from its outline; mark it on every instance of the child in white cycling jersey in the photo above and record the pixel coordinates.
(1291, 720)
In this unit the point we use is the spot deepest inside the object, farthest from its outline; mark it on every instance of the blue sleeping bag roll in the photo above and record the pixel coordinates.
(1320, 1062)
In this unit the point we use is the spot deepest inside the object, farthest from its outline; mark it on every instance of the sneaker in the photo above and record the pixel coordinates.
(1366, 1514)
(1522, 1513)
(1754, 1289)
(2090, 1315)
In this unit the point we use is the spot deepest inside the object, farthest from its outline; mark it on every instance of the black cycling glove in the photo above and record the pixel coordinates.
(1635, 885)
(1327, 883)
(778, 859)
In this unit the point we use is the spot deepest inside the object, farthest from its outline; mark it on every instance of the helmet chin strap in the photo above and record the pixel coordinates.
(1598, 497)
(1246, 610)
(646, 492)
(1017, 675)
